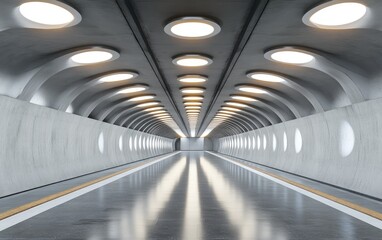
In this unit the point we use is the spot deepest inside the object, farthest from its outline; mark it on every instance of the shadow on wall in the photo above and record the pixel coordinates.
(40, 146)
(339, 147)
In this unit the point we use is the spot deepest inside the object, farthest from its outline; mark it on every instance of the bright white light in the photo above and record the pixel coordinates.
(193, 107)
(206, 132)
(192, 103)
(153, 109)
(193, 98)
(337, 15)
(192, 28)
(274, 143)
(292, 57)
(297, 140)
(267, 77)
(91, 56)
(264, 142)
(231, 109)
(120, 143)
(251, 89)
(236, 104)
(148, 104)
(117, 77)
(132, 90)
(243, 98)
(192, 79)
(258, 142)
(285, 140)
(192, 60)
(101, 142)
(46, 13)
(347, 139)
(192, 90)
(141, 98)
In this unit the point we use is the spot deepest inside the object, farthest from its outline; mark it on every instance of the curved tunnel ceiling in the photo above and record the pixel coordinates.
(228, 77)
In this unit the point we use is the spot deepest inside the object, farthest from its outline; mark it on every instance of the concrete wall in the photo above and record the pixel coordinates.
(39, 145)
(342, 147)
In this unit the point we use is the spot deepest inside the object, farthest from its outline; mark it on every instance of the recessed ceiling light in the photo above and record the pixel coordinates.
(250, 89)
(141, 98)
(289, 55)
(92, 56)
(193, 111)
(193, 98)
(193, 107)
(192, 28)
(119, 76)
(153, 109)
(227, 112)
(243, 98)
(192, 78)
(236, 104)
(223, 115)
(264, 76)
(192, 90)
(148, 104)
(192, 103)
(335, 14)
(231, 109)
(133, 89)
(159, 111)
(52, 15)
(161, 114)
(192, 60)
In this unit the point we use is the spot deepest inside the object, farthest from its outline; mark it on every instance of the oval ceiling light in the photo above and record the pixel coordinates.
(243, 98)
(192, 78)
(231, 109)
(335, 14)
(289, 55)
(153, 109)
(266, 77)
(141, 98)
(192, 98)
(192, 28)
(148, 104)
(192, 90)
(133, 89)
(118, 76)
(192, 103)
(250, 89)
(236, 104)
(49, 14)
(94, 55)
(193, 107)
(192, 60)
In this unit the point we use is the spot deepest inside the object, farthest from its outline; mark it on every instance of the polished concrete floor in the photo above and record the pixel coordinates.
(193, 195)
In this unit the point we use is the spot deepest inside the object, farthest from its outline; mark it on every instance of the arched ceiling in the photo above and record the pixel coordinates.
(35, 66)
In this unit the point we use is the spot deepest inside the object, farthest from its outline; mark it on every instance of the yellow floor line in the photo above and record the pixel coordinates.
(43, 200)
(341, 201)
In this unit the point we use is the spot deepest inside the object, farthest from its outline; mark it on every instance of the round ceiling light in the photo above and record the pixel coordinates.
(192, 60)
(148, 104)
(266, 77)
(243, 98)
(192, 90)
(335, 14)
(49, 15)
(289, 55)
(250, 89)
(192, 78)
(118, 76)
(192, 28)
(95, 55)
(133, 89)
(192, 98)
(141, 98)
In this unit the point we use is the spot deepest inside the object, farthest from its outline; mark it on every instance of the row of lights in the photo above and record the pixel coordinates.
(192, 28)
(336, 14)
(55, 14)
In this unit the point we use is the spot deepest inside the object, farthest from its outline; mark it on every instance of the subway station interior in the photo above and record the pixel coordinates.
(191, 119)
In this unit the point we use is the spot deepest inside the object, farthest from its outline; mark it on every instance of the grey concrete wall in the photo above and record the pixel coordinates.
(342, 147)
(195, 144)
(39, 145)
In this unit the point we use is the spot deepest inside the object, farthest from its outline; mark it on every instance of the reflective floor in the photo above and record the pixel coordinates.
(193, 195)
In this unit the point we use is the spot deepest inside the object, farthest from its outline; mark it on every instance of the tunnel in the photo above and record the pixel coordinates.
(191, 119)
